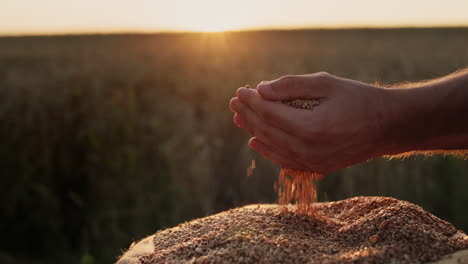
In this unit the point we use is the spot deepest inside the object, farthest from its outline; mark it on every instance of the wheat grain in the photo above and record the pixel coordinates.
(299, 185)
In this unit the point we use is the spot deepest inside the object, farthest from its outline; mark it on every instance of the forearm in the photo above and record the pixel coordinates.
(429, 116)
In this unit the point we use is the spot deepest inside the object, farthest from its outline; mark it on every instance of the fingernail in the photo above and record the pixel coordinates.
(252, 143)
(238, 121)
(235, 103)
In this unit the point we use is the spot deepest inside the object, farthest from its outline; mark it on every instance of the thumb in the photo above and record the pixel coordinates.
(292, 87)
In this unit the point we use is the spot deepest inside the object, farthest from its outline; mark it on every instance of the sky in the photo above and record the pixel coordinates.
(99, 16)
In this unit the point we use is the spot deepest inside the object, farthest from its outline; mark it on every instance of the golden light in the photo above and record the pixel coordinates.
(220, 15)
(212, 28)
(210, 21)
(213, 16)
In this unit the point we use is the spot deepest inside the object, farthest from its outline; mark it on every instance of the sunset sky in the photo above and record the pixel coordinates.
(66, 16)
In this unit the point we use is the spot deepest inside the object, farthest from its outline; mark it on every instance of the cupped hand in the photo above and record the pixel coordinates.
(347, 127)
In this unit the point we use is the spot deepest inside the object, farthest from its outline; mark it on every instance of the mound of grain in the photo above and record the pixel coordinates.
(363, 229)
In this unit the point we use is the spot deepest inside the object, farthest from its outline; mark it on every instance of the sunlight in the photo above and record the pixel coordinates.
(108, 16)
(213, 16)
(212, 28)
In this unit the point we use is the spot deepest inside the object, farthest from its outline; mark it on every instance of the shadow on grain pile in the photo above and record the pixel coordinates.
(363, 229)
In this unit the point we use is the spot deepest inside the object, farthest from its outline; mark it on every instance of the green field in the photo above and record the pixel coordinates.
(107, 138)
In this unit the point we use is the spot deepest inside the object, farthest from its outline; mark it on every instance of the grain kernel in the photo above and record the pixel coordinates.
(374, 238)
(384, 223)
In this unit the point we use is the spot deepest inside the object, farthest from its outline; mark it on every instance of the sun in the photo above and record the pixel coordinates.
(212, 28)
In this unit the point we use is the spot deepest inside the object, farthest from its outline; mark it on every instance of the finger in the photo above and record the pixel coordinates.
(232, 104)
(296, 87)
(238, 120)
(277, 114)
(276, 138)
(275, 157)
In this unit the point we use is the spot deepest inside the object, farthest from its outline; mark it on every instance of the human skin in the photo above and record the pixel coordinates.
(354, 121)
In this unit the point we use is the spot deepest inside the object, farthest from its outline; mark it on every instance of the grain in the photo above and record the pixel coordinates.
(251, 168)
(340, 232)
(295, 185)
(303, 103)
(374, 238)
(299, 185)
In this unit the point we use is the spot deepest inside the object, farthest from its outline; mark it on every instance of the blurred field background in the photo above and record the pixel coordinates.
(105, 139)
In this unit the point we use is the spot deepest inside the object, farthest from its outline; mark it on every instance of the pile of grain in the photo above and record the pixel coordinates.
(364, 229)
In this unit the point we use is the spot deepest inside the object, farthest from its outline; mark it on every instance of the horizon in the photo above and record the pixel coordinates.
(273, 29)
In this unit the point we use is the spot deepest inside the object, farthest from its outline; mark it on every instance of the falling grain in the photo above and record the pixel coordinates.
(299, 185)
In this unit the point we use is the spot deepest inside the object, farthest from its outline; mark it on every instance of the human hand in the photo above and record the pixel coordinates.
(346, 128)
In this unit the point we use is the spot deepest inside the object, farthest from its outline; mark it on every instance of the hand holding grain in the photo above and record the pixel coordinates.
(353, 121)
(347, 126)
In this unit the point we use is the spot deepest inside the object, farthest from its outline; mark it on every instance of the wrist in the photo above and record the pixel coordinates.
(429, 116)
(408, 119)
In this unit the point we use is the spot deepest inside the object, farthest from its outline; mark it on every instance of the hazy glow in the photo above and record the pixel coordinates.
(59, 16)
(207, 15)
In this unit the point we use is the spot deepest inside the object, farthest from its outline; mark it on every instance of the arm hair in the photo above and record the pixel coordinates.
(461, 153)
